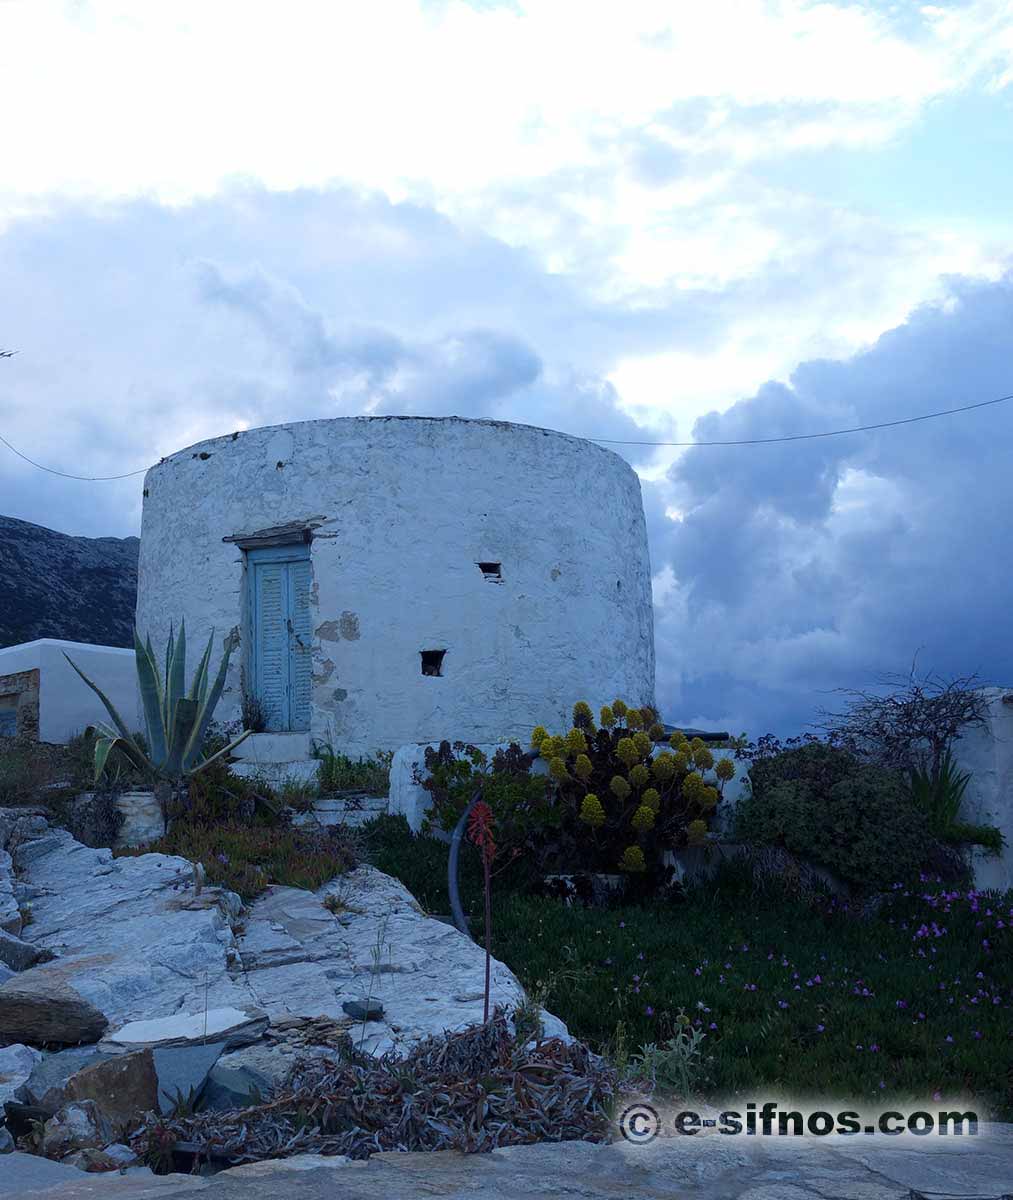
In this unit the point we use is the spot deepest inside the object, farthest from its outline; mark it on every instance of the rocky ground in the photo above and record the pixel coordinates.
(158, 988)
(705, 1168)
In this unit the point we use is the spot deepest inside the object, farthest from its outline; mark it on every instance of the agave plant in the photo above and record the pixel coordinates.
(177, 723)
(939, 795)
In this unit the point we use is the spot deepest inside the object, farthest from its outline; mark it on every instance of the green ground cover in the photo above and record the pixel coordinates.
(914, 1003)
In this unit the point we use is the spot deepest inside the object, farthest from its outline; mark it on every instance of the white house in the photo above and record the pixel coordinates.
(402, 579)
(42, 698)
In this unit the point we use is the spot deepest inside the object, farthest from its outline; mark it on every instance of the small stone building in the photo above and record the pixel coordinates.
(42, 698)
(403, 579)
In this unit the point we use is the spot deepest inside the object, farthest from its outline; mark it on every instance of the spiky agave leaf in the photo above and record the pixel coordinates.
(208, 707)
(151, 699)
(110, 707)
(184, 721)
(220, 753)
(198, 689)
(166, 707)
(175, 682)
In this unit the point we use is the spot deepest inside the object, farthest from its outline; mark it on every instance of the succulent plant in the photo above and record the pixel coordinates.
(176, 721)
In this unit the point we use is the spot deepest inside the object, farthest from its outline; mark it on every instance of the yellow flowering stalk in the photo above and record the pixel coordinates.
(591, 811)
(657, 732)
(582, 768)
(607, 717)
(709, 797)
(557, 769)
(575, 742)
(643, 818)
(664, 766)
(632, 859)
(692, 786)
(643, 744)
(538, 735)
(725, 769)
(627, 752)
(697, 744)
(582, 715)
(696, 831)
(681, 762)
(619, 708)
(639, 775)
(633, 719)
(703, 758)
(652, 798)
(619, 787)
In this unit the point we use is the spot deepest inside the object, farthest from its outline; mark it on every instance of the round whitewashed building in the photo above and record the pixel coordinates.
(403, 579)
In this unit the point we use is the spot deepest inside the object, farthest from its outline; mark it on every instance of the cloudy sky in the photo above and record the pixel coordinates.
(634, 221)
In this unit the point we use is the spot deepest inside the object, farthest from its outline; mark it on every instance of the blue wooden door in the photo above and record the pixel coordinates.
(281, 638)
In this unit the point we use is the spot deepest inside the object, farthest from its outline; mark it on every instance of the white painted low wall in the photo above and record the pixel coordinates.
(66, 703)
(412, 800)
(988, 755)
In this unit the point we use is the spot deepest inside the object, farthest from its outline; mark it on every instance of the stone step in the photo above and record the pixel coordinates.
(276, 773)
(275, 748)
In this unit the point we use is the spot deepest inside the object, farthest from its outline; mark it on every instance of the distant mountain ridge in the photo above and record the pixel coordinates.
(53, 585)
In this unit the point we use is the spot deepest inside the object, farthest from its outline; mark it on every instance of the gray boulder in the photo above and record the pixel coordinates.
(16, 1064)
(122, 1087)
(229, 1088)
(20, 955)
(10, 914)
(79, 1125)
(182, 1072)
(38, 1007)
(45, 1086)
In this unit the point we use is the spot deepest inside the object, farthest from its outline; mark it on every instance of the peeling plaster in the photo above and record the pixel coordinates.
(349, 626)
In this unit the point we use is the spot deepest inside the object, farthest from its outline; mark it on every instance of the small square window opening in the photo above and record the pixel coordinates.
(432, 661)
(491, 570)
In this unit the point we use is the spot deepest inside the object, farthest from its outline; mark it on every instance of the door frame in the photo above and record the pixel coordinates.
(271, 555)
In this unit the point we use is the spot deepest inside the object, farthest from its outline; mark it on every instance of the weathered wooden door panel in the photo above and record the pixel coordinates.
(281, 637)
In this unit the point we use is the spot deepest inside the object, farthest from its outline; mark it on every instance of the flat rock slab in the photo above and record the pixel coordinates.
(129, 934)
(303, 961)
(229, 1026)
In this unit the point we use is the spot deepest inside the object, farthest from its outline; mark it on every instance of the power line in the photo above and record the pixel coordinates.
(63, 474)
(798, 437)
(795, 437)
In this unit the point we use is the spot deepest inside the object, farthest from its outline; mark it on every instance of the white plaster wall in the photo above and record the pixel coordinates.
(988, 755)
(66, 703)
(408, 506)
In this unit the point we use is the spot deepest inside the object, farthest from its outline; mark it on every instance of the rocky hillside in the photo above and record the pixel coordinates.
(57, 586)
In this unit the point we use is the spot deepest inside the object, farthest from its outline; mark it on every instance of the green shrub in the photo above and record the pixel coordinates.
(622, 805)
(23, 774)
(823, 804)
(339, 773)
(522, 804)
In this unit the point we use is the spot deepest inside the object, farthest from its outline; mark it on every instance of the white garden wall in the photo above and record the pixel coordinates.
(988, 755)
